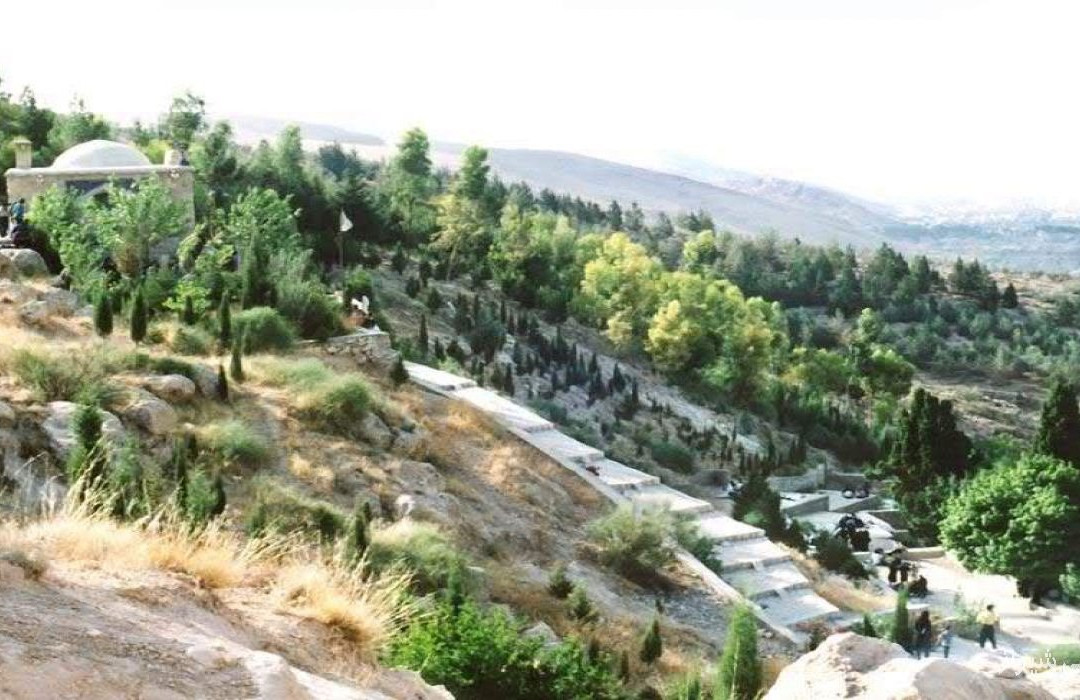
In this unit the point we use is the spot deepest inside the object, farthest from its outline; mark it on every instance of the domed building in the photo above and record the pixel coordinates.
(89, 167)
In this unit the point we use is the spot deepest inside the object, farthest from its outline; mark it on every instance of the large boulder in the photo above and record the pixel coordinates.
(852, 666)
(207, 380)
(59, 428)
(174, 388)
(24, 261)
(150, 413)
(373, 430)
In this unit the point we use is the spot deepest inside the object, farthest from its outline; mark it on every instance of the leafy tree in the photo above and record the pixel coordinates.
(1059, 426)
(409, 186)
(103, 315)
(1018, 519)
(186, 118)
(652, 645)
(739, 676)
(138, 317)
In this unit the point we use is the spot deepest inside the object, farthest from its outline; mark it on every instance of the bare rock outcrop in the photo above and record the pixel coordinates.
(150, 413)
(174, 388)
(851, 666)
(24, 261)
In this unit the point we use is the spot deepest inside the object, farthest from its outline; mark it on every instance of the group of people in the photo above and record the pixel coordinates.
(901, 573)
(13, 223)
(987, 620)
(852, 529)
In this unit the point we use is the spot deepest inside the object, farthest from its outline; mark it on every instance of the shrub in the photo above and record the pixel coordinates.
(479, 654)
(336, 406)
(559, 584)
(277, 371)
(689, 537)
(281, 510)
(652, 645)
(236, 442)
(357, 284)
(866, 628)
(637, 545)
(263, 329)
(204, 497)
(1061, 655)
(190, 340)
(739, 676)
(53, 377)
(309, 308)
(357, 538)
(579, 605)
(834, 554)
(421, 548)
(672, 456)
(399, 375)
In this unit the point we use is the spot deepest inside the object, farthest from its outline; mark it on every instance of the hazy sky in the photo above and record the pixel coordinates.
(896, 100)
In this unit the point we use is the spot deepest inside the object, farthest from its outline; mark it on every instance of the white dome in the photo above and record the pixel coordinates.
(100, 153)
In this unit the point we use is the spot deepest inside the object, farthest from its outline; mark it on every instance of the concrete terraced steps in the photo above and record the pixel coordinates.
(750, 563)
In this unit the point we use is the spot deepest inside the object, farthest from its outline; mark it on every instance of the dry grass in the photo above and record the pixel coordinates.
(318, 476)
(841, 592)
(367, 609)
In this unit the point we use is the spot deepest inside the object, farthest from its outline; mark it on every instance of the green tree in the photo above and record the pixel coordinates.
(103, 315)
(472, 177)
(1009, 299)
(186, 118)
(1059, 426)
(559, 584)
(1017, 519)
(399, 375)
(236, 362)
(422, 337)
(357, 538)
(222, 384)
(900, 632)
(652, 645)
(579, 605)
(225, 322)
(739, 675)
(187, 316)
(139, 316)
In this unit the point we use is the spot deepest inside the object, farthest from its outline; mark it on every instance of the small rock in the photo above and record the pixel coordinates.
(374, 431)
(172, 387)
(24, 261)
(34, 313)
(409, 443)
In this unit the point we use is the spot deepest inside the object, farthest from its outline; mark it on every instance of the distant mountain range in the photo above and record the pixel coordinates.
(752, 204)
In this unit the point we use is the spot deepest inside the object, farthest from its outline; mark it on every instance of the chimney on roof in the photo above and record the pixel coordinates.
(23, 152)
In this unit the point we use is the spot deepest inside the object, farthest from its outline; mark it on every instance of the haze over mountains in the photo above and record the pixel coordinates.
(1021, 239)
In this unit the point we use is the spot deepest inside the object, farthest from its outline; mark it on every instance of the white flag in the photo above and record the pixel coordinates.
(345, 223)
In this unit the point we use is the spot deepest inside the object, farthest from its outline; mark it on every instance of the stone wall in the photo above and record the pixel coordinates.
(369, 347)
(30, 182)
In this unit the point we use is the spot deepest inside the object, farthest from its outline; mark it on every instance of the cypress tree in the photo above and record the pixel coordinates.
(218, 506)
(901, 623)
(868, 629)
(1009, 299)
(739, 676)
(1059, 426)
(356, 541)
(652, 646)
(103, 315)
(422, 337)
(225, 322)
(236, 365)
(138, 317)
(223, 384)
(399, 375)
(624, 666)
(187, 317)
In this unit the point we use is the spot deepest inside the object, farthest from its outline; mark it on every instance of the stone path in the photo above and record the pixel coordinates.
(752, 566)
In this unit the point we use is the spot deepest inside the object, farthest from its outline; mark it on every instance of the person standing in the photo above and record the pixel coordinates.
(923, 633)
(988, 621)
(4, 219)
(18, 211)
(945, 639)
